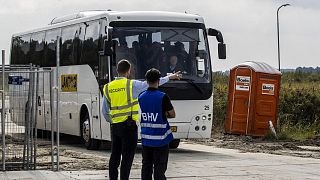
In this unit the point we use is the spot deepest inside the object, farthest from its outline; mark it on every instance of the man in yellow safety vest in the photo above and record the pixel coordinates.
(120, 108)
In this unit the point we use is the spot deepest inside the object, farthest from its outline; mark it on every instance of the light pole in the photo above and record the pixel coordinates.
(284, 5)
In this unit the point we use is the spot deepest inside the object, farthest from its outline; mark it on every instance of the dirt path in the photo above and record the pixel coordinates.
(310, 148)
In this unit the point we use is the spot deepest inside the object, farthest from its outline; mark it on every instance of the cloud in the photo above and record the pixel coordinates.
(306, 4)
(249, 26)
(16, 7)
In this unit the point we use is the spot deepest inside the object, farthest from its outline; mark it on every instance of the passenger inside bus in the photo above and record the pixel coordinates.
(173, 65)
(156, 55)
(182, 54)
(124, 52)
(135, 48)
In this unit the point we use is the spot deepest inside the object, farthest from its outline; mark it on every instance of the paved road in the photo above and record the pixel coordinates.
(200, 162)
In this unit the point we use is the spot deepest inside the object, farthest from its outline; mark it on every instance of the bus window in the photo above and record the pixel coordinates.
(50, 49)
(69, 38)
(89, 54)
(20, 49)
(37, 48)
(125, 49)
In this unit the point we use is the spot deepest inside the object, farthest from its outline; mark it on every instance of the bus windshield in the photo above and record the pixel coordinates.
(169, 49)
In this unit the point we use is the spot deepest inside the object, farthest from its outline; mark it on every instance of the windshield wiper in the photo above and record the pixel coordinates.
(191, 81)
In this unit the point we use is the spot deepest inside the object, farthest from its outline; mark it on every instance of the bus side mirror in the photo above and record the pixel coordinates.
(212, 32)
(107, 43)
(216, 33)
(222, 52)
(107, 48)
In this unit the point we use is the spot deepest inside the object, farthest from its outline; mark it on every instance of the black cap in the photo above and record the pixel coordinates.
(153, 75)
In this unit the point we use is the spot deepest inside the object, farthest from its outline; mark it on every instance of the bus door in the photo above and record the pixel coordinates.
(39, 103)
(104, 78)
(43, 99)
(104, 70)
(95, 115)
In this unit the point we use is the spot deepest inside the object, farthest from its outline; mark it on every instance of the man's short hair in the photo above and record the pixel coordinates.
(153, 75)
(123, 66)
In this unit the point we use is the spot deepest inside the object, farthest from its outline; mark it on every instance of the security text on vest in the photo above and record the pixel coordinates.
(116, 90)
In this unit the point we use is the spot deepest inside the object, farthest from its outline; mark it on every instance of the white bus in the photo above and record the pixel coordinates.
(92, 42)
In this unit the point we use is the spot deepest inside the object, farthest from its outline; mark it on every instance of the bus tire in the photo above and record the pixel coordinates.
(174, 144)
(91, 144)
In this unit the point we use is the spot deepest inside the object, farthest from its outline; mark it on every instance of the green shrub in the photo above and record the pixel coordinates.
(220, 99)
(299, 106)
(299, 131)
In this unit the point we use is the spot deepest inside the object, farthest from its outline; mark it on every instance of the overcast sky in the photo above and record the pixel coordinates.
(249, 26)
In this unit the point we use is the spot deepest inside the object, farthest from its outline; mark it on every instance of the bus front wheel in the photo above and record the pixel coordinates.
(91, 144)
(174, 144)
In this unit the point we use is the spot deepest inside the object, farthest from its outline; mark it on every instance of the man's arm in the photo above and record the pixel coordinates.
(167, 107)
(171, 114)
(140, 86)
(105, 109)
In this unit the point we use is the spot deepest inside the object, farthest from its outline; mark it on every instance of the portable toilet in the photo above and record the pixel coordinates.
(253, 98)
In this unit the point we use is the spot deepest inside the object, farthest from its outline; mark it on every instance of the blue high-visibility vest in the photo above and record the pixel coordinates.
(155, 131)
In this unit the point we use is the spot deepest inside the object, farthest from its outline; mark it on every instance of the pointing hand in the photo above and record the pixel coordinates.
(175, 76)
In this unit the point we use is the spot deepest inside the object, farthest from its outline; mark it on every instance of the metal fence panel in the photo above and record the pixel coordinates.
(27, 115)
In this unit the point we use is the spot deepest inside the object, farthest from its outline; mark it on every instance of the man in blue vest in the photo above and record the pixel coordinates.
(120, 108)
(155, 130)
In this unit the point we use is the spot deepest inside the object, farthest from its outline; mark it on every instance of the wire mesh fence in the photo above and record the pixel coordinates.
(27, 127)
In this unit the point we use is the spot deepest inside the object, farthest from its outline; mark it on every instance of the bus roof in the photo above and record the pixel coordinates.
(84, 16)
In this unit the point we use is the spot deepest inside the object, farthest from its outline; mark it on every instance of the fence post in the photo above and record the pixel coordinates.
(29, 117)
(51, 77)
(58, 102)
(3, 115)
(36, 119)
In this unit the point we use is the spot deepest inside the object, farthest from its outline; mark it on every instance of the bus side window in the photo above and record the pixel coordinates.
(69, 38)
(50, 59)
(89, 54)
(37, 48)
(20, 49)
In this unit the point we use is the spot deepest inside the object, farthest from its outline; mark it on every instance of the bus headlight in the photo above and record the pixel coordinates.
(204, 117)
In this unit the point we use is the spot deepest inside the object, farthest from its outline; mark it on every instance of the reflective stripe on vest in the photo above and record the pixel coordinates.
(151, 125)
(155, 137)
(124, 114)
(119, 96)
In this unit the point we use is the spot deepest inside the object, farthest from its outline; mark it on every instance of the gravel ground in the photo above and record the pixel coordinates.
(74, 156)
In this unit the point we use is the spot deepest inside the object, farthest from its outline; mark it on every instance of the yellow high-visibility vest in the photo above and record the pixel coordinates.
(119, 96)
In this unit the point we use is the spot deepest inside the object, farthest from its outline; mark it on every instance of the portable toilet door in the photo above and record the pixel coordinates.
(266, 102)
(242, 78)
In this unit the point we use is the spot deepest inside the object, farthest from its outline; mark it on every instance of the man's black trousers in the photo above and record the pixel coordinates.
(154, 160)
(124, 138)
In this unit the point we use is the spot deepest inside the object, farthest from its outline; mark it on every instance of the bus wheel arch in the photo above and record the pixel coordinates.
(174, 144)
(85, 129)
